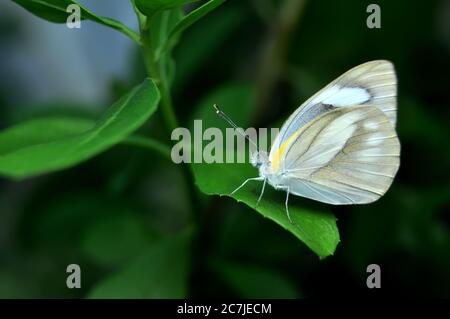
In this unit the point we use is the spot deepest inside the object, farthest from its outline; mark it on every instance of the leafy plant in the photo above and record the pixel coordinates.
(54, 143)
(160, 272)
(47, 144)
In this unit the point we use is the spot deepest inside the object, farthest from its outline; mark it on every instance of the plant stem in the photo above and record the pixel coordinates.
(154, 70)
(154, 145)
(274, 53)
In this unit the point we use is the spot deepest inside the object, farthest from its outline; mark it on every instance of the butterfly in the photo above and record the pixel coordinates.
(340, 146)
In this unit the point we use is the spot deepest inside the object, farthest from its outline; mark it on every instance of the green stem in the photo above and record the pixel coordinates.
(275, 52)
(140, 17)
(154, 145)
(154, 69)
(121, 28)
(167, 108)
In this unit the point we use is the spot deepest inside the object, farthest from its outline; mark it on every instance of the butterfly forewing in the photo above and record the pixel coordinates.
(373, 83)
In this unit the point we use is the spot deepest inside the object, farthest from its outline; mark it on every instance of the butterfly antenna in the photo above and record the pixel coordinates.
(230, 121)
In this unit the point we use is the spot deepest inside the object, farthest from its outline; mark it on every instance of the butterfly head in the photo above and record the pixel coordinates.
(260, 160)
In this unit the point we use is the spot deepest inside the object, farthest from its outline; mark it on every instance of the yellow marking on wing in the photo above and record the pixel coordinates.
(280, 151)
(278, 155)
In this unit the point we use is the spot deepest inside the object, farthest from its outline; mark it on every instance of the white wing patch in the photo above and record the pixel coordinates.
(342, 96)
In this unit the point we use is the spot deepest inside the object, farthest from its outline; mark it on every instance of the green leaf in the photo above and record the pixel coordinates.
(161, 272)
(62, 219)
(149, 143)
(150, 7)
(55, 11)
(160, 25)
(115, 239)
(254, 282)
(17, 285)
(316, 229)
(49, 144)
(187, 21)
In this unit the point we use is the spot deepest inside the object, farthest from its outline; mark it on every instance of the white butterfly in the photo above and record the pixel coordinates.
(340, 146)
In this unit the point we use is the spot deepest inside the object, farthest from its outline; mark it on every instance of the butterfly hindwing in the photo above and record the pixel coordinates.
(349, 155)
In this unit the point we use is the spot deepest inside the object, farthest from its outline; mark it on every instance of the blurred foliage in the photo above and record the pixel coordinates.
(139, 229)
(48, 144)
(56, 11)
(160, 272)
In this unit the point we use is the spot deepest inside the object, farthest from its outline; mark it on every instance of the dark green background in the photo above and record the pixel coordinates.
(105, 213)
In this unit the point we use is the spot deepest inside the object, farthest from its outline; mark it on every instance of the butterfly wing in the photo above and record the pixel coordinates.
(373, 83)
(349, 155)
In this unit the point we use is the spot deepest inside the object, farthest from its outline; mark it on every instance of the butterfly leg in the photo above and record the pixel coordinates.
(262, 192)
(259, 178)
(287, 206)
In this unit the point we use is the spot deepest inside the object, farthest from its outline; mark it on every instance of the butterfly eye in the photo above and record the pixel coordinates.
(255, 159)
